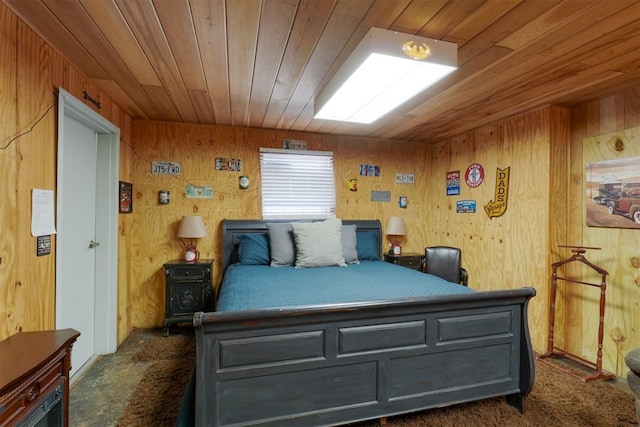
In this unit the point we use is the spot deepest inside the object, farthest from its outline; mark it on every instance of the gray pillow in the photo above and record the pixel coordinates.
(350, 244)
(318, 244)
(281, 243)
(632, 360)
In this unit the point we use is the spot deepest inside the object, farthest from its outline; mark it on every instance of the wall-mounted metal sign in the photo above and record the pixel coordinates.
(165, 168)
(294, 144)
(405, 178)
(380, 196)
(233, 165)
(498, 206)
(466, 206)
(453, 183)
(199, 192)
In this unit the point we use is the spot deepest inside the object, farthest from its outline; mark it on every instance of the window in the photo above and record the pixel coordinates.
(297, 184)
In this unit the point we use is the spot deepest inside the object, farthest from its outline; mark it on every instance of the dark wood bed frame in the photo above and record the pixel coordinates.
(335, 364)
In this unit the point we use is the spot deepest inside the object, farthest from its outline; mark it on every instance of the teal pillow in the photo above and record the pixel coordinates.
(253, 249)
(367, 247)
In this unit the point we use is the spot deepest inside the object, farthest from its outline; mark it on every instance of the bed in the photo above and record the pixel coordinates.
(336, 360)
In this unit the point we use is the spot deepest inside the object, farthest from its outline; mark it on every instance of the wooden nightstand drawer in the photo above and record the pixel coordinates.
(413, 262)
(187, 272)
(409, 260)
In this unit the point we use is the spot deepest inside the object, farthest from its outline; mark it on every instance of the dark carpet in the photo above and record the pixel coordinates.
(557, 399)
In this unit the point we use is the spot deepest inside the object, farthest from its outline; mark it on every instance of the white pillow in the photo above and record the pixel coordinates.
(318, 244)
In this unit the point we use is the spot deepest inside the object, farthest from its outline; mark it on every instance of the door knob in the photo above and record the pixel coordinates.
(93, 244)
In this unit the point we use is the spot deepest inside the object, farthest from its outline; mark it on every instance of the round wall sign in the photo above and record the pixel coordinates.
(474, 175)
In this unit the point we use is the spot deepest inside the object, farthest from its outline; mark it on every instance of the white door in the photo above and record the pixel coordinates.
(75, 288)
(87, 227)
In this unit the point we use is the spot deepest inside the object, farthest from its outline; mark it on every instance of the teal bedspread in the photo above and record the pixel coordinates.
(253, 287)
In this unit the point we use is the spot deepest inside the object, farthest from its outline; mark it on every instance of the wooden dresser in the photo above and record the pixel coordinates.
(34, 378)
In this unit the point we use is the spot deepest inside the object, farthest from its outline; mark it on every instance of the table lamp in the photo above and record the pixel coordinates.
(191, 227)
(395, 228)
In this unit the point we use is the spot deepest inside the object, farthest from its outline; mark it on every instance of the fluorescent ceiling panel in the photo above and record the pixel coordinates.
(379, 76)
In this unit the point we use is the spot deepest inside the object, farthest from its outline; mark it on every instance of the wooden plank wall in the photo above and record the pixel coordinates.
(196, 147)
(506, 252)
(594, 125)
(512, 250)
(30, 73)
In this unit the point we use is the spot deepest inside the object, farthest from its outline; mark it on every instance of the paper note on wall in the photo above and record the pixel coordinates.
(42, 215)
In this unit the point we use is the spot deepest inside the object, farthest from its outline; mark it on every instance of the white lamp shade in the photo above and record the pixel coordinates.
(192, 227)
(395, 226)
(379, 75)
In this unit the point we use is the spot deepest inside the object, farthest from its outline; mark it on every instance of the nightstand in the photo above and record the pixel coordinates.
(412, 260)
(188, 290)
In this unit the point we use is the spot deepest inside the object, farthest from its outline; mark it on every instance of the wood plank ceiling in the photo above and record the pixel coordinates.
(260, 63)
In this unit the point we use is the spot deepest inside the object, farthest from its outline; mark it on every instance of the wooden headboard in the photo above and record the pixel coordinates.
(231, 228)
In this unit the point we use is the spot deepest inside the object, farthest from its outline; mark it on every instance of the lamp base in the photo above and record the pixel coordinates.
(191, 254)
(395, 249)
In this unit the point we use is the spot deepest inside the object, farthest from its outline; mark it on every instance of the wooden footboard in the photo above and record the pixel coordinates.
(333, 365)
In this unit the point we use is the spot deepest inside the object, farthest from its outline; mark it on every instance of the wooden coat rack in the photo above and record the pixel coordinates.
(555, 352)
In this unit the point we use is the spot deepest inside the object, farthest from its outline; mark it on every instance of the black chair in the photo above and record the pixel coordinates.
(445, 262)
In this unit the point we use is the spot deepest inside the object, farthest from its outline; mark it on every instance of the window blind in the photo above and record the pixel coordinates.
(297, 184)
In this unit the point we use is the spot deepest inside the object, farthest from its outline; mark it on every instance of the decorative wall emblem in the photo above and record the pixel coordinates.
(474, 175)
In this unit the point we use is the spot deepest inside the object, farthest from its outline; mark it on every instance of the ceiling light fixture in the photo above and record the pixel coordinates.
(386, 69)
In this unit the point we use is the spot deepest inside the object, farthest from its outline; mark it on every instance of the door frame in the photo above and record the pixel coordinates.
(106, 233)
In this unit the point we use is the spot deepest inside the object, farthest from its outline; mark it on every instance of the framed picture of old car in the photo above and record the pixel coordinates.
(613, 193)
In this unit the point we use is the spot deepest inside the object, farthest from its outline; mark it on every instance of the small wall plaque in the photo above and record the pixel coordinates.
(43, 245)
(466, 206)
(380, 196)
(126, 197)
